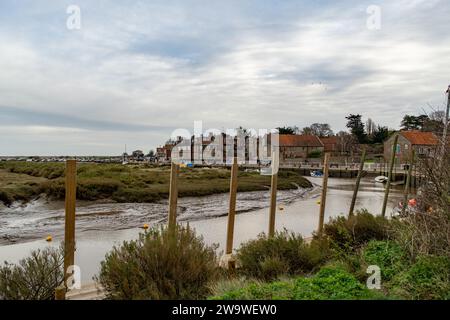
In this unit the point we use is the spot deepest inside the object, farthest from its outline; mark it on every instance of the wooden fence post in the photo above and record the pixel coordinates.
(358, 181)
(60, 293)
(232, 207)
(173, 197)
(324, 194)
(70, 207)
(273, 195)
(408, 183)
(388, 183)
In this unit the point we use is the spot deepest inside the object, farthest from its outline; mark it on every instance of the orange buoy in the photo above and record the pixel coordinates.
(145, 226)
(412, 202)
(49, 239)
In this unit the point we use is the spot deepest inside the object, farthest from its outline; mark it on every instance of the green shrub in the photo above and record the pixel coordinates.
(285, 253)
(33, 278)
(136, 195)
(330, 283)
(55, 189)
(160, 266)
(388, 255)
(90, 189)
(427, 278)
(351, 233)
(315, 154)
(6, 198)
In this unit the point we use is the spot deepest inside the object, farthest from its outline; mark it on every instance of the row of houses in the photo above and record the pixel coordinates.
(300, 148)
(292, 147)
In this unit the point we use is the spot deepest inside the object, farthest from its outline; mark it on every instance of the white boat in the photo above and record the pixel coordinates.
(381, 179)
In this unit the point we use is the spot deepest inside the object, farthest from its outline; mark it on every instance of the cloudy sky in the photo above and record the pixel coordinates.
(137, 70)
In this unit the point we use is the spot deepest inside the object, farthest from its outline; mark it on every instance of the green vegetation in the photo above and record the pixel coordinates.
(17, 186)
(427, 278)
(33, 278)
(349, 234)
(388, 255)
(334, 266)
(160, 266)
(315, 154)
(25, 180)
(330, 283)
(284, 254)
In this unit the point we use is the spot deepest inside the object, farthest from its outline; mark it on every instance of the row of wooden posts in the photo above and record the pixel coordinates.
(70, 206)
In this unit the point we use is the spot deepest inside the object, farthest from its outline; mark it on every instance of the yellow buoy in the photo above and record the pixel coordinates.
(318, 202)
(49, 239)
(281, 208)
(145, 226)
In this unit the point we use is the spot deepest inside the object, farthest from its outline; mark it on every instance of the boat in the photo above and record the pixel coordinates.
(316, 173)
(381, 179)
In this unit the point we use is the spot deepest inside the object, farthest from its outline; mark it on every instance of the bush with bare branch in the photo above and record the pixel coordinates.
(427, 229)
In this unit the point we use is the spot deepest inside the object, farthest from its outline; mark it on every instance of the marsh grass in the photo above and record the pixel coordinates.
(129, 183)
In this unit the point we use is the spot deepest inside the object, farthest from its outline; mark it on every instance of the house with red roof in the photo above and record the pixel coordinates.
(331, 144)
(294, 148)
(423, 143)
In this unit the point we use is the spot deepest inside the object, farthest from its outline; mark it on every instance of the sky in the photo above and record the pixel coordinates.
(132, 72)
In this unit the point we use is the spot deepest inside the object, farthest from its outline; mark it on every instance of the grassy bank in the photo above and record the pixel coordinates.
(24, 181)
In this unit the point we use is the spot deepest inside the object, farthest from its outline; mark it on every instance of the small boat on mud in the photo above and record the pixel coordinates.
(381, 179)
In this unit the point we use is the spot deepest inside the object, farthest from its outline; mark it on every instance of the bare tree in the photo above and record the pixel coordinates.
(427, 229)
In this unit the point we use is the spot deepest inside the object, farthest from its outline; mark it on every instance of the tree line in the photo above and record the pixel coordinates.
(369, 132)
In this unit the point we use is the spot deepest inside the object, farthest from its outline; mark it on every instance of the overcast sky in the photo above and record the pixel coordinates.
(137, 70)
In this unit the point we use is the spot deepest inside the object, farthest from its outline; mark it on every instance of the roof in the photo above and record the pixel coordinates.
(329, 140)
(330, 143)
(416, 137)
(293, 140)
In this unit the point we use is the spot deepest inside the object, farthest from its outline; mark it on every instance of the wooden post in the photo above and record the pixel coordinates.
(388, 183)
(273, 195)
(273, 203)
(324, 194)
(173, 196)
(232, 206)
(445, 132)
(60, 293)
(69, 234)
(358, 181)
(408, 183)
